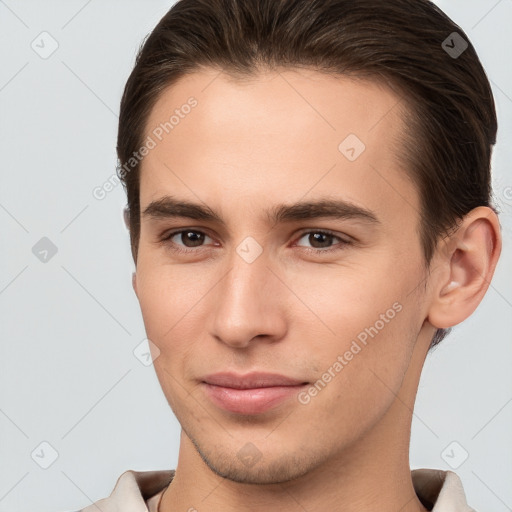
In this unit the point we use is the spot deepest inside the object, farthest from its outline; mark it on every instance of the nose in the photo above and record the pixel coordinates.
(250, 303)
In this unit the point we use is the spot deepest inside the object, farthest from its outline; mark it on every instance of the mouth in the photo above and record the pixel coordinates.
(252, 393)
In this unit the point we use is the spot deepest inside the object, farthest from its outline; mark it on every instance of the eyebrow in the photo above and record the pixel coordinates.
(170, 207)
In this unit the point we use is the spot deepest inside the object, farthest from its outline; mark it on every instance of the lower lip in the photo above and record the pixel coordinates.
(250, 401)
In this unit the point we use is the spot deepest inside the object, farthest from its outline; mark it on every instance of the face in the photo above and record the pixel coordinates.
(279, 272)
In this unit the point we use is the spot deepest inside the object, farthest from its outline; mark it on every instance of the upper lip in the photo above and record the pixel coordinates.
(250, 380)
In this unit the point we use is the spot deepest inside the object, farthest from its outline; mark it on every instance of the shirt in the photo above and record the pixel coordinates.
(140, 491)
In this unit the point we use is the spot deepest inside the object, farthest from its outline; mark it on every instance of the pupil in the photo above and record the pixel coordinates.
(192, 237)
(317, 237)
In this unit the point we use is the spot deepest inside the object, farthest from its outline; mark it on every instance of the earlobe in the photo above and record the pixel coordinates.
(469, 262)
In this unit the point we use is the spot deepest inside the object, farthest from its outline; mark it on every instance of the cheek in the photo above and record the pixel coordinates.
(369, 315)
(359, 372)
(168, 297)
(166, 300)
(172, 299)
(352, 297)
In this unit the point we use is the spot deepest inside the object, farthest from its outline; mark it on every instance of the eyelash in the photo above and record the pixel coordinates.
(166, 240)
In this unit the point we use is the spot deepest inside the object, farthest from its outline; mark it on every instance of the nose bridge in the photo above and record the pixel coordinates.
(247, 300)
(247, 280)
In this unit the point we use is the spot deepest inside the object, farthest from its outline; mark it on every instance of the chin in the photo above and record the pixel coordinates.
(261, 474)
(249, 466)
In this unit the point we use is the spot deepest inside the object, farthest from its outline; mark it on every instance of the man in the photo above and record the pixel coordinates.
(308, 201)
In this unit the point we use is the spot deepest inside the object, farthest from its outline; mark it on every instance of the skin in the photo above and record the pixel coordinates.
(253, 144)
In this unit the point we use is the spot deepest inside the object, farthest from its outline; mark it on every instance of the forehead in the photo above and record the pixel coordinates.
(280, 133)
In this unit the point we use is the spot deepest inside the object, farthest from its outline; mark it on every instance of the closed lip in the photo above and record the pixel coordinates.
(251, 380)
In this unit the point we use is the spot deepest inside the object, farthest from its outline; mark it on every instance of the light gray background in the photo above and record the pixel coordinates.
(68, 375)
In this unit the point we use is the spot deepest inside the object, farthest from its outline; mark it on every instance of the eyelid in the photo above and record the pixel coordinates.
(344, 241)
(340, 236)
(165, 239)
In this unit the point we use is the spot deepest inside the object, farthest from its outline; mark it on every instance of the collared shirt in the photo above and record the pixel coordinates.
(140, 491)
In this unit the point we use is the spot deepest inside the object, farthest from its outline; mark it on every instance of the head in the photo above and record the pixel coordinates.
(269, 116)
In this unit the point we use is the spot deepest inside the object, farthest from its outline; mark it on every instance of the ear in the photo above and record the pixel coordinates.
(467, 261)
(126, 217)
(134, 283)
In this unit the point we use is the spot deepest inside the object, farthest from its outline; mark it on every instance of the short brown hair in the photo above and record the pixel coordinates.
(451, 119)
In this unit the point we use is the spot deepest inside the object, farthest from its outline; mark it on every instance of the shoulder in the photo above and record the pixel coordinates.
(440, 489)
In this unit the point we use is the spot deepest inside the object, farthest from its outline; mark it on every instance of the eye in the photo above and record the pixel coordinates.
(185, 240)
(192, 240)
(322, 241)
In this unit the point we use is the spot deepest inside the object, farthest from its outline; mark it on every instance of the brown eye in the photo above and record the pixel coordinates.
(185, 240)
(322, 241)
(191, 238)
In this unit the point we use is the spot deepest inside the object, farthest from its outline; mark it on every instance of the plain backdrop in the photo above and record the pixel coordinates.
(73, 394)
